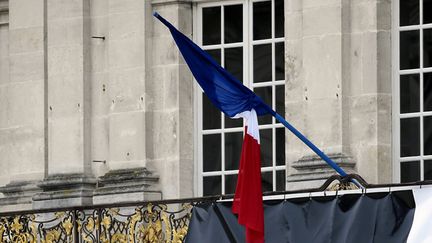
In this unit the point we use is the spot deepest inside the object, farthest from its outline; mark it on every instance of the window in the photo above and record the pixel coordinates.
(247, 38)
(413, 89)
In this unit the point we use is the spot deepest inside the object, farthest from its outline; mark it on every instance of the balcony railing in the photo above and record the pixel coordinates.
(157, 221)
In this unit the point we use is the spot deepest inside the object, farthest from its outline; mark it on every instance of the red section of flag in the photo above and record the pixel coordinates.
(248, 203)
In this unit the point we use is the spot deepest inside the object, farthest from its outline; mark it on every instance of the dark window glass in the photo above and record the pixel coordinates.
(280, 146)
(409, 12)
(409, 93)
(427, 135)
(216, 54)
(261, 20)
(427, 91)
(410, 137)
(280, 100)
(279, 18)
(211, 26)
(230, 184)
(262, 63)
(212, 185)
(265, 93)
(233, 23)
(427, 47)
(234, 62)
(211, 115)
(279, 59)
(266, 147)
(427, 11)
(280, 180)
(233, 146)
(267, 181)
(409, 49)
(410, 171)
(428, 169)
(212, 152)
(230, 122)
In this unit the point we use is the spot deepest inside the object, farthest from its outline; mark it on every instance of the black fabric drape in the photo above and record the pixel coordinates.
(355, 218)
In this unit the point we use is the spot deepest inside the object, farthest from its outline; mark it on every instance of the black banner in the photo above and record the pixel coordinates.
(355, 218)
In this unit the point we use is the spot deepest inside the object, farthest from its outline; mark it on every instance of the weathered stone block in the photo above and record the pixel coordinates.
(126, 53)
(65, 32)
(126, 25)
(322, 20)
(127, 137)
(23, 15)
(26, 67)
(25, 40)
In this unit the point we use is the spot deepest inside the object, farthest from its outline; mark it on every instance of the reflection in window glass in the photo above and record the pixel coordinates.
(428, 169)
(280, 180)
(230, 184)
(267, 181)
(265, 93)
(410, 171)
(409, 93)
(279, 18)
(212, 119)
(234, 62)
(262, 59)
(233, 23)
(427, 11)
(409, 49)
(212, 185)
(409, 12)
(212, 152)
(279, 61)
(427, 91)
(427, 135)
(266, 147)
(427, 47)
(261, 20)
(233, 146)
(410, 137)
(211, 26)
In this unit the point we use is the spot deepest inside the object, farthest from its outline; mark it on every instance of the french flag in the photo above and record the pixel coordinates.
(236, 101)
(247, 202)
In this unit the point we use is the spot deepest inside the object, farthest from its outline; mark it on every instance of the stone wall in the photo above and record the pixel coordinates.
(96, 104)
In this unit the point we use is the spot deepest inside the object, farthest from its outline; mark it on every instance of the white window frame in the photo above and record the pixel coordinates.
(247, 80)
(396, 72)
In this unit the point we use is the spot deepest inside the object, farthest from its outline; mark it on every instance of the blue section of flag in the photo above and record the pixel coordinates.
(224, 90)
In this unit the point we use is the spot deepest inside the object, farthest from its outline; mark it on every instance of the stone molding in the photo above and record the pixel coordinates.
(312, 167)
(19, 192)
(169, 2)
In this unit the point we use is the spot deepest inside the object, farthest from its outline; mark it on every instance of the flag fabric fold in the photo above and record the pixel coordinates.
(235, 100)
(247, 202)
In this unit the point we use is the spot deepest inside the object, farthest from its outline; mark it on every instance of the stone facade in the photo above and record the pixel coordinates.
(96, 103)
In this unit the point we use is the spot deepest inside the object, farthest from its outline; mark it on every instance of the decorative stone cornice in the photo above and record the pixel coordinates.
(4, 6)
(312, 167)
(170, 2)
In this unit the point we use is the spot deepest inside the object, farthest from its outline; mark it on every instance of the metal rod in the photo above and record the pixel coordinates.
(312, 146)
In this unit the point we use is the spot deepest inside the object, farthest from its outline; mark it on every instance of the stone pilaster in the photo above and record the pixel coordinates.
(169, 92)
(70, 179)
(22, 120)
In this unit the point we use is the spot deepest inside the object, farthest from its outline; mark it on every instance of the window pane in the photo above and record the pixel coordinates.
(212, 152)
(267, 181)
(409, 12)
(211, 115)
(212, 185)
(211, 25)
(280, 100)
(230, 184)
(280, 146)
(230, 122)
(427, 11)
(216, 54)
(410, 171)
(410, 137)
(409, 93)
(262, 63)
(280, 180)
(409, 49)
(427, 91)
(262, 20)
(233, 23)
(234, 62)
(428, 169)
(427, 47)
(279, 18)
(427, 135)
(265, 93)
(266, 147)
(279, 59)
(233, 146)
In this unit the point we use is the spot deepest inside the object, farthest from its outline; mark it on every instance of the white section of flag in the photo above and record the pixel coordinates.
(251, 122)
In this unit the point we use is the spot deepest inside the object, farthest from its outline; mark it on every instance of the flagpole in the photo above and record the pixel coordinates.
(312, 146)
